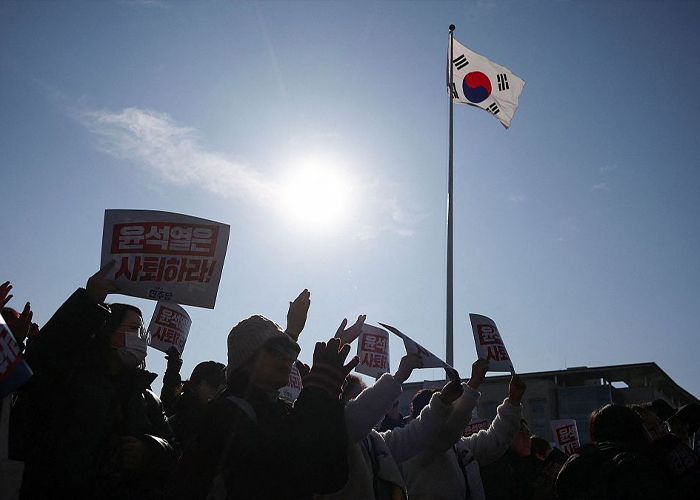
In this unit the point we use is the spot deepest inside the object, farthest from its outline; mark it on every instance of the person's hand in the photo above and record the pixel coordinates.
(479, 369)
(20, 325)
(347, 336)
(516, 389)
(133, 452)
(451, 391)
(98, 287)
(5, 294)
(172, 370)
(329, 369)
(406, 366)
(296, 316)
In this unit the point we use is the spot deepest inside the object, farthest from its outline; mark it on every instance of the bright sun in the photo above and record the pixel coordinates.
(316, 194)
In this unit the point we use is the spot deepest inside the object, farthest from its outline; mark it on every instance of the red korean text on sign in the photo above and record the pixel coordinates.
(295, 379)
(566, 434)
(497, 353)
(169, 269)
(376, 360)
(173, 319)
(374, 343)
(488, 335)
(9, 353)
(161, 238)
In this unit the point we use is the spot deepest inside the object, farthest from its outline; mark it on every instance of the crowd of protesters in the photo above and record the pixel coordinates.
(87, 424)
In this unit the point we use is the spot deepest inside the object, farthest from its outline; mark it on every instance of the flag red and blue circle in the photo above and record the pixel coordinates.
(476, 86)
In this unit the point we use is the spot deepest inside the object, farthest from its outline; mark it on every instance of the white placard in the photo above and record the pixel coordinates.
(475, 426)
(489, 344)
(430, 360)
(373, 351)
(293, 388)
(170, 326)
(565, 435)
(165, 256)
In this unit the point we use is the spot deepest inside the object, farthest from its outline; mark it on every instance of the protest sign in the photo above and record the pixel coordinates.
(169, 327)
(14, 371)
(373, 351)
(475, 426)
(291, 392)
(165, 256)
(565, 435)
(430, 360)
(489, 344)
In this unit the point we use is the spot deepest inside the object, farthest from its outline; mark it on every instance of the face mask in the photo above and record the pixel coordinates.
(134, 351)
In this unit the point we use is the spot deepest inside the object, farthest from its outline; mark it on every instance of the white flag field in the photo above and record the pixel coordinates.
(169, 327)
(373, 351)
(430, 360)
(484, 84)
(565, 434)
(165, 256)
(489, 344)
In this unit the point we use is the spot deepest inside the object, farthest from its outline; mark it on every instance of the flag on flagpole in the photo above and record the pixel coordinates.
(484, 84)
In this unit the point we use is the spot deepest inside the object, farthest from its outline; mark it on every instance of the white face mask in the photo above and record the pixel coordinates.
(134, 351)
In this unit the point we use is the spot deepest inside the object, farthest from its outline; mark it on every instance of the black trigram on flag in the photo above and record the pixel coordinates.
(503, 82)
(455, 95)
(493, 109)
(460, 61)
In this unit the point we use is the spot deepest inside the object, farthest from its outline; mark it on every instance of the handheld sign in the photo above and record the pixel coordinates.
(169, 327)
(291, 392)
(566, 435)
(373, 351)
(165, 256)
(475, 426)
(14, 371)
(430, 360)
(489, 344)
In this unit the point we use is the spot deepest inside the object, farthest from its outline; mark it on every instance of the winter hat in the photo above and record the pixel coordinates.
(248, 336)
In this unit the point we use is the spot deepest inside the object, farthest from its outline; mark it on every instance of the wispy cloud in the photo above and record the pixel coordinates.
(517, 198)
(603, 186)
(172, 153)
(607, 168)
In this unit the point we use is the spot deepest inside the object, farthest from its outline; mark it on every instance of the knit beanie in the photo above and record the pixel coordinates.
(248, 336)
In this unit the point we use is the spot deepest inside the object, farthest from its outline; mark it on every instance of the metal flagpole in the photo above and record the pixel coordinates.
(449, 343)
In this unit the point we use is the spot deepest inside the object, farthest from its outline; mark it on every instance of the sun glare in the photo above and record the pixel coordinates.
(316, 194)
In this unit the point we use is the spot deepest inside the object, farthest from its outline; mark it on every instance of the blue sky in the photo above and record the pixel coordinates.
(576, 230)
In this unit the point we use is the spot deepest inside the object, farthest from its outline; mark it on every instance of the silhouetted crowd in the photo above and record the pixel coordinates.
(87, 424)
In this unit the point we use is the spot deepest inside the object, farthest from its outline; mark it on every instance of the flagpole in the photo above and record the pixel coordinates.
(449, 331)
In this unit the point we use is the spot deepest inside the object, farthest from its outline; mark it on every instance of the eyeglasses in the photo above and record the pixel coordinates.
(140, 332)
(280, 351)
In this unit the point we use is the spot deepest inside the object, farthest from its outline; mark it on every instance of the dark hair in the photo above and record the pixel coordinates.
(616, 423)
(118, 314)
(539, 445)
(212, 372)
(420, 400)
(351, 381)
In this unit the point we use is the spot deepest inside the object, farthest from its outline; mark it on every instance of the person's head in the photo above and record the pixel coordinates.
(617, 423)
(685, 422)
(521, 442)
(206, 378)
(125, 336)
(352, 387)
(654, 426)
(420, 400)
(539, 447)
(259, 349)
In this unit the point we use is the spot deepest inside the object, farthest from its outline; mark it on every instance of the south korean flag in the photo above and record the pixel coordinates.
(484, 84)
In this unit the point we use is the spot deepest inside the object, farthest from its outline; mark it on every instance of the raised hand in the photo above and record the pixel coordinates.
(5, 294)
(451, 391)
(298, 311)
(20, 325)
(406, 366)
(516, 389)
(98, 287)
(347, 336)
(329, 369)
(479, 369)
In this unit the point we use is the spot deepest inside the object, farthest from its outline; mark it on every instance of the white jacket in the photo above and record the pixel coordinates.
(387, 449)
(436, 473)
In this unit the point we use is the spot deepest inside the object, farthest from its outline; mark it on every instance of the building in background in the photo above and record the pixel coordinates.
(572, 393)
